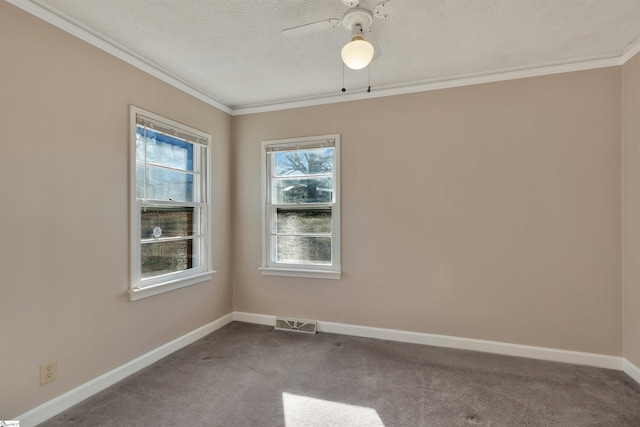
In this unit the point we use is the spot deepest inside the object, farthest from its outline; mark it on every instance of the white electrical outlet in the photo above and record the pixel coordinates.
(48, 372)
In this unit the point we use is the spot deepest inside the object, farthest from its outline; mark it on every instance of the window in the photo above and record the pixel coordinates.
(301, 207)
(169, 205)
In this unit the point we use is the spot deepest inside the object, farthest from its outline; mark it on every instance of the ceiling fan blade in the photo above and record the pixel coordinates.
(403, 7)
(371, 38)
(311, 28)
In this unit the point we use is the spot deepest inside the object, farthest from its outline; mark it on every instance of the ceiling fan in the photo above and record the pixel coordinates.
(362, 46)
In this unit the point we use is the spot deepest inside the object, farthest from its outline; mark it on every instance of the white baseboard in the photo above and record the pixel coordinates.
(496, 347)
(531, 352)
(632, 370)
(82, 392)
(258, 319)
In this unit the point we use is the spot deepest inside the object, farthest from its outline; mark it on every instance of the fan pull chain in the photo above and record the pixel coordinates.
(344, 89)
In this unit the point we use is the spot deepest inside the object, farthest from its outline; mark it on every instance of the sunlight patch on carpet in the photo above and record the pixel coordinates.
(308, 412)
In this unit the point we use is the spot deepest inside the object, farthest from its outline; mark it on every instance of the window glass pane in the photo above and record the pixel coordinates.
(166, 222)
(293, 221)
(303, 250)
(164, 184)
(166, 257)
(304, 162)
(303, 190)
(164, 150)
(140, 181)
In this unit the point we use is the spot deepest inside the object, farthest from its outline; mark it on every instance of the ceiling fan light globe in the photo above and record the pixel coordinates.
(357, 54)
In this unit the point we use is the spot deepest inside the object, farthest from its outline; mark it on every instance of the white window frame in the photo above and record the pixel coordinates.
(146, 287)
(270, 266)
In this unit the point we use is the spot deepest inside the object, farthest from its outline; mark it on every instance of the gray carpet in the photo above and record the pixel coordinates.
(250, 375)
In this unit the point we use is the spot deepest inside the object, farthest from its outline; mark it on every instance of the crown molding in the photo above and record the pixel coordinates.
(112, 47)
(437, 84)
(630, 52)
(456, 81)
(42, 11)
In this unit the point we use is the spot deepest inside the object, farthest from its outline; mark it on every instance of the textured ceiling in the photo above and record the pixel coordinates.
(233, 51)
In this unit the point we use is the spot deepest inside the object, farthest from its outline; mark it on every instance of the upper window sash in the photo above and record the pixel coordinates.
(302, 176)
(169, 164)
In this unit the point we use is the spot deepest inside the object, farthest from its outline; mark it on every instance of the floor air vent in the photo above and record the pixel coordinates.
(304, 326)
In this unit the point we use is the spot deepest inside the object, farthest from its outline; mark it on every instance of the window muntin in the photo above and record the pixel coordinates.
(170, 205)
(301, 210)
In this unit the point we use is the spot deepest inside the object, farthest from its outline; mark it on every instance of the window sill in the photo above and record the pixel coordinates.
(148, 291)
(292, 272)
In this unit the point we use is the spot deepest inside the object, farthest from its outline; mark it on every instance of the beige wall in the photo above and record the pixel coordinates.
(490, 211)
(631, 208)
(64, 107)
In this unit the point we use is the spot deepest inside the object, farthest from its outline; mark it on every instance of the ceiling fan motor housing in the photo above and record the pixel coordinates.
(357, 17)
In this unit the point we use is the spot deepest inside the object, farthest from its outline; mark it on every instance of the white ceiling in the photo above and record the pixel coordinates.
(232, 51)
